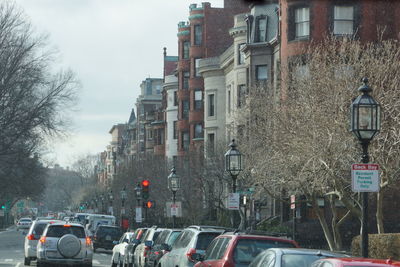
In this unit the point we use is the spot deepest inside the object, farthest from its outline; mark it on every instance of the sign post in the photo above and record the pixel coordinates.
(138, 217)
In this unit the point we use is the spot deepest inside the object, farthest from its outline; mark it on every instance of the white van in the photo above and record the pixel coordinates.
(94, 220)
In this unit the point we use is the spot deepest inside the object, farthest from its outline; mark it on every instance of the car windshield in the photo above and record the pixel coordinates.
(25, 220)
(204, 239)
(172, 238)
(60, 230)
(114, 231)
(247, 249)
(299, 260)
(39, 228)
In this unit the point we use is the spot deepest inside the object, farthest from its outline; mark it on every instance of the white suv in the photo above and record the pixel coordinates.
(32, 239)
(64, 244)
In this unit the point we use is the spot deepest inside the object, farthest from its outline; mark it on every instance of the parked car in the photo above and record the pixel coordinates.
(161, 246)
(120, 249)
(355, 262)
(32, 239)
(106, 237)
(142, 249)
(138, 238)
(64, 244)
(193, 239)
(24, 223)
(292, 257)
(239, 249)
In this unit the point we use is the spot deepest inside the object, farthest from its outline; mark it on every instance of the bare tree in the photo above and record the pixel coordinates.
(32, 97)
(302, 145)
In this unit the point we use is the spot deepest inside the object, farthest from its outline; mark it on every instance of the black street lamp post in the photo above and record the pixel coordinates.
(365, 124)
(233, 165)
(174, 184)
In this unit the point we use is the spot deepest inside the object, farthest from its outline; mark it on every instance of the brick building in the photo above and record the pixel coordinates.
(205, 35)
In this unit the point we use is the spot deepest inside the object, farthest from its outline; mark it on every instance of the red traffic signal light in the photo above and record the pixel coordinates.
(149, 204)
(145, 183)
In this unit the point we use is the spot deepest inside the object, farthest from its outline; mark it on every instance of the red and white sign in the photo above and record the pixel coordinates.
(292, 202)
(233, 201)
(365, 177)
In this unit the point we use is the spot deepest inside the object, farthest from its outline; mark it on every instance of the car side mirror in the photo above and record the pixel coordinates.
(149, 243)
(197, 257)
(115, 242)
(136, 242)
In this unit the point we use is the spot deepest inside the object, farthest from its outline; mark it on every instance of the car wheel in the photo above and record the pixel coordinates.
(27, 261)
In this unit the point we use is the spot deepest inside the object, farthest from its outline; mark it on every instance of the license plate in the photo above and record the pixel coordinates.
(108, 238)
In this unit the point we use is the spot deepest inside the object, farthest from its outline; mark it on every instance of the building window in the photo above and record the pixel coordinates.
(229, 100)
(185, 141)
(211, 144)
(211, 105)
(185, 52)
(185, 109)
(261, 29)
(302, 22)
(160, 136)
(158, 89)
(343, 20)
(149, 90)
(186, 76)
(198, 99)
(198, 34)
(196, 67)
(240, 54)
(175, 98)
(242, 92)
(198, 131)
(149, 135)
(261, 73)
(175, 130)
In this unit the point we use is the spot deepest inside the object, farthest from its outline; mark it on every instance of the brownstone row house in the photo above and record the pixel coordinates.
(222, 54)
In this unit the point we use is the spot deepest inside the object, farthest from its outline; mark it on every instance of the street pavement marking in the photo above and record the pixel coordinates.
(96, 262)
(8, 260)
(18, 264)
(103, 254)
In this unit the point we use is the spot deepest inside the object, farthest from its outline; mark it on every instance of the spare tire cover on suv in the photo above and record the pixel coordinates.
(69, 246)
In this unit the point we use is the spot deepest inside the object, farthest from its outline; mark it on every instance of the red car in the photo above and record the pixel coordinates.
(239, 249)
(350, 262)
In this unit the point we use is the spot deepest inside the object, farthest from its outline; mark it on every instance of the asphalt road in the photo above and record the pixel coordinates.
(12, 250)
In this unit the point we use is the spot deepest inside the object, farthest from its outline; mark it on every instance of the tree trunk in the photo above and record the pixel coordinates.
(379, 213)
(337, 238)
(324, 225)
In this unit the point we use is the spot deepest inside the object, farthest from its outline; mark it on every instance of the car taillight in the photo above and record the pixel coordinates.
(190, 253)
(31, 237)
(146, 250)
(42, 239)
(88, 241)
(157, 252)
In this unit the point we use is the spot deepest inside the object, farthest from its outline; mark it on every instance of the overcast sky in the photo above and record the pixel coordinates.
(111, 45)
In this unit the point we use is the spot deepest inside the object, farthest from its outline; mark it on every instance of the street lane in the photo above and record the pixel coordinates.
(12, 250)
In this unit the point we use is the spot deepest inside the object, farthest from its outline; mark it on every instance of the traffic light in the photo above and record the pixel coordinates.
(149, 204)
(145, 189)
(3, 206)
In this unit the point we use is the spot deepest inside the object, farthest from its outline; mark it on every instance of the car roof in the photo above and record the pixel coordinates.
(47, 221)
(250, 236)
(108, 226)
(364, 261)
(25, 219)
(307, 251)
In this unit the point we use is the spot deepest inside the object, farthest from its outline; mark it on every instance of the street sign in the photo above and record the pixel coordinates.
(292, 202)
(174, 209)
(138, 217)
(365, 177)
(233, 201)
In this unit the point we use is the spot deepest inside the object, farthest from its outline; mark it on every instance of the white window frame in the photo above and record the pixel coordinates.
(302, 22)
(343, 19)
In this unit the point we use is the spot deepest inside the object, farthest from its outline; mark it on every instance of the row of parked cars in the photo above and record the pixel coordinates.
(209, 246)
